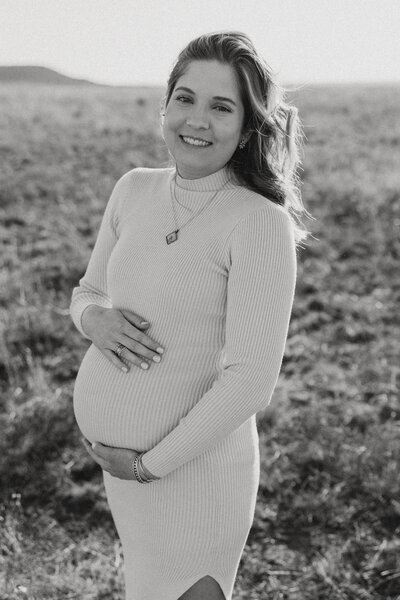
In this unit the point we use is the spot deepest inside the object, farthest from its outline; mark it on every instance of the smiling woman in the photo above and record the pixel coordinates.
(201, 320)
(203, 122)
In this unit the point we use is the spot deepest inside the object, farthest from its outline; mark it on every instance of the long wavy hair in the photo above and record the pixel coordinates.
(271, 158)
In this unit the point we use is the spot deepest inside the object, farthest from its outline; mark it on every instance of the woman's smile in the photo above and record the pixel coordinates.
(196, 142)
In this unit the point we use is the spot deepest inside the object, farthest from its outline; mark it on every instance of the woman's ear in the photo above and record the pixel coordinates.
(244, 138)
(246, 135)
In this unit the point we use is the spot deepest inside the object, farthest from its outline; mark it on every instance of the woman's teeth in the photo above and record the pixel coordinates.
(194, 142)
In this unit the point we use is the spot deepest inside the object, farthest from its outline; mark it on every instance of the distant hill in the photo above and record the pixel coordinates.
(40, 75)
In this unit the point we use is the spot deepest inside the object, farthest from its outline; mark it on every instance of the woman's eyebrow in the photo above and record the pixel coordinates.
(220, 98)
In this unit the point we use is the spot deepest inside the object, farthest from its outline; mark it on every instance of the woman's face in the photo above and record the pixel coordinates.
(204, 118)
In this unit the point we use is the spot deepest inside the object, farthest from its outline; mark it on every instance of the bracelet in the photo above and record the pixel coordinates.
(138, 471)
(135, 468)
(142, 471)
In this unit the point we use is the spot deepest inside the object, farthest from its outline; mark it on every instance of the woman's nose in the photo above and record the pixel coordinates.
(198, 119)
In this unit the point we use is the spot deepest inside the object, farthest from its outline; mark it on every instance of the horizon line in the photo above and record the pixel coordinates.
(299, 83)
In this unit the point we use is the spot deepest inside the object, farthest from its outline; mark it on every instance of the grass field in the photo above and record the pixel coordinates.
(328, 514)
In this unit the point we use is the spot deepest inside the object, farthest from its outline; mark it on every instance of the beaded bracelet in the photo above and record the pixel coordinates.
(138, 470)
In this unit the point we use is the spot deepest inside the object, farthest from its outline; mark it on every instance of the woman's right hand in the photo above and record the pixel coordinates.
(107, 327)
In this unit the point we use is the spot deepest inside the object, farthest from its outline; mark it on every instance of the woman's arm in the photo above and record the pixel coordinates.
(92, 287)
(260, 293)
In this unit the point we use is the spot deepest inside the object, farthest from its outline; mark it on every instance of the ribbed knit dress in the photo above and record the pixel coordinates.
(219, 301)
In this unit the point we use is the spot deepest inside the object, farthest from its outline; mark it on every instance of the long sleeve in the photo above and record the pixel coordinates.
(260, 291)
(92, 287)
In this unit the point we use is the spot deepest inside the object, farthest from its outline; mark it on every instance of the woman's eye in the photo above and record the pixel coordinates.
(221, 108)
(183, 99)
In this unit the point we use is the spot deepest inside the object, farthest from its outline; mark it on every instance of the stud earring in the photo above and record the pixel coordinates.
(242, 144)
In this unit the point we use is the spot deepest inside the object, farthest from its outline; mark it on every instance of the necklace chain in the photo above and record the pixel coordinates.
(173, 236)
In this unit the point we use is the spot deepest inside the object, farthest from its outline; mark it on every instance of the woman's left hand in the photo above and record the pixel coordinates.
(117, 461)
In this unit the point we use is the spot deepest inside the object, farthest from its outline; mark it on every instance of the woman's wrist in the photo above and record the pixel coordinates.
(144, 471)
(140, 473)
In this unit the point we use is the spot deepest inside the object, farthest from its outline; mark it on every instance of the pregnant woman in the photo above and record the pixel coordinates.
(187, 299)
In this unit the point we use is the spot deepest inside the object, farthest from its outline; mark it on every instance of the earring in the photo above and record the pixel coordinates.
(242, 144)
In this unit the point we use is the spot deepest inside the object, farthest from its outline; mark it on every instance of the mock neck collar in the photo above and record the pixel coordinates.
(210, 183)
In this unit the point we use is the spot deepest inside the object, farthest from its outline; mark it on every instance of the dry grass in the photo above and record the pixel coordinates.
(328, 513)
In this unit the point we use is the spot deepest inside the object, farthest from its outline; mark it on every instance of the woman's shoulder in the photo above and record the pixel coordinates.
(130, 187)
(261, 228)
(250, 205)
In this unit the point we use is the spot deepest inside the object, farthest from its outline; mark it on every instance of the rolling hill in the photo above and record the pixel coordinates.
(39, 75)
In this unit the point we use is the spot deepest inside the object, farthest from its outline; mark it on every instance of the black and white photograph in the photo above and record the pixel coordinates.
(199, 300)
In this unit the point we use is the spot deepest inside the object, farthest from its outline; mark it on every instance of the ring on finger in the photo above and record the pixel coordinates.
(118, 349)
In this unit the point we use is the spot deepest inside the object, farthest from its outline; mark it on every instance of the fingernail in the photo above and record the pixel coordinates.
(157, 358)
(124, 369)
(145, 323)
(144, 365)
(160, 350)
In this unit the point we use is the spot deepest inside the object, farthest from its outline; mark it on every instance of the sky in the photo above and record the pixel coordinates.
(135, 42)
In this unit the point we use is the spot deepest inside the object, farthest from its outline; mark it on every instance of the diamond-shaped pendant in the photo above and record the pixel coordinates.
(172, 237)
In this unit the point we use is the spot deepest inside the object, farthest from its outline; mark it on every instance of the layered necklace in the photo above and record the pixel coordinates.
(173, 236)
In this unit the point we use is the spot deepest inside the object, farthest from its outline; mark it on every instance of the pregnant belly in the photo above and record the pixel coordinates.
(135, 409)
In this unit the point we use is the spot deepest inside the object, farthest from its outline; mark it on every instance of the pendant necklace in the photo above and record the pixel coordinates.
(173, 236)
